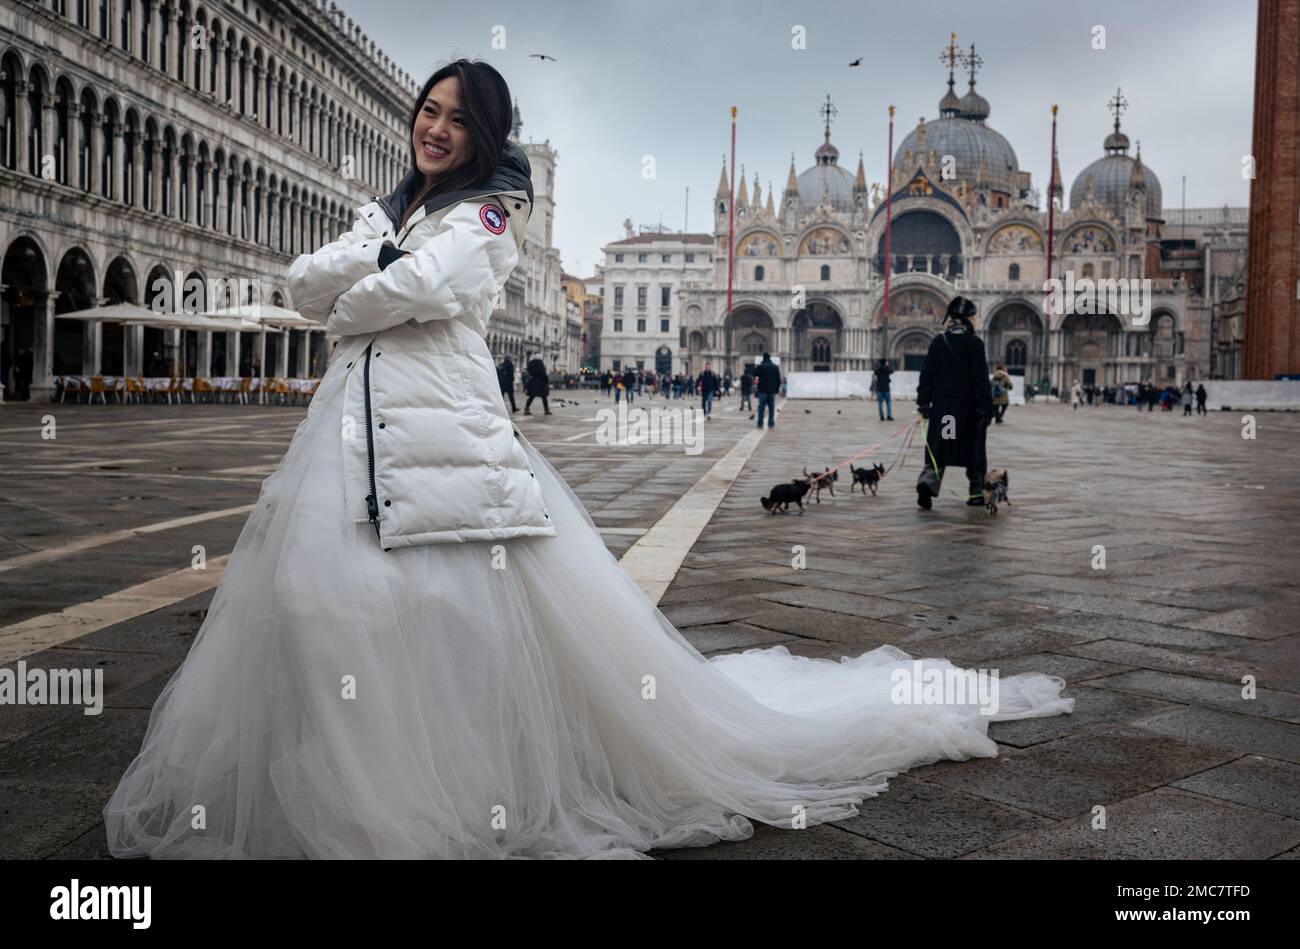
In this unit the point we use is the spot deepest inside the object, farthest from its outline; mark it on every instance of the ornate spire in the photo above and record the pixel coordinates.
(953, 57)
(791, 182)
(827, 154)
(742, 196)
(517, 123)
(1116, 142)
(724, 189)
(770, 209)
(1138, 176)
(860, 182)
(827, 111)
(973, 105)
(1056, 189)
(973, 63)
(758, 198)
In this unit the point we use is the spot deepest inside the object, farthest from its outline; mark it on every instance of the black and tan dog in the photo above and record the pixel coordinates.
(822, 480)
(996, 483)
(867, 477)
(783, 494)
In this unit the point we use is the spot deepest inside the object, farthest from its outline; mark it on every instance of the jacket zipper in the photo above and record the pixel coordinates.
(372, 499)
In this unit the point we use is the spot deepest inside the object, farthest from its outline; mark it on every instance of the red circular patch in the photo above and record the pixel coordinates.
(492, 218)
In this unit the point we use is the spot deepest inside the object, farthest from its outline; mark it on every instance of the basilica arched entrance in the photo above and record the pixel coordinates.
(22, 310)
(817, 337)
(915, 316)
(1014, 337)
(908, 349)
(748, 333)
(1089, 350)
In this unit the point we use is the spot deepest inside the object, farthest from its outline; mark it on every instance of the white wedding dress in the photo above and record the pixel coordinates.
(479, 700)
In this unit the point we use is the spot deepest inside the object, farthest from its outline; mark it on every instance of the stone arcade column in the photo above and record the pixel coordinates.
(137, 175)
(43, 351)
(74, 145)
(155, 183)
(93, 153)
(118, 171)
(22, 89)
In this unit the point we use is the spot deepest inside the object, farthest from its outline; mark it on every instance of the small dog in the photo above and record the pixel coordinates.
(995, 489)
(867, 477)
(822, 480)
(783, 494)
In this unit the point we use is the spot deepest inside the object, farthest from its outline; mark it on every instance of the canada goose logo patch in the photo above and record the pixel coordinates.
(491, 217)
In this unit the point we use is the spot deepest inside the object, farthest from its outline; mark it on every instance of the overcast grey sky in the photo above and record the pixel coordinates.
(637, 77)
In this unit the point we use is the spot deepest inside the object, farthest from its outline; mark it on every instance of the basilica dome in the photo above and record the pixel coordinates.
(826, 175)
(1114, 174)
(960, 131)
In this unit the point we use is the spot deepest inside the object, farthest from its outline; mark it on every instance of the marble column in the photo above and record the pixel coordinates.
(154, 148)
(22, 90)
(42, 385)
(117, 183)
(73, 170)
(93, 156)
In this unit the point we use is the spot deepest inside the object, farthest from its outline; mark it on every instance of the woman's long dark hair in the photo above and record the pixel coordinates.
(485, 107)
(960, 310)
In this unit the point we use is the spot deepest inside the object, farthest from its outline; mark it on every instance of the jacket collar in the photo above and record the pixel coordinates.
(513, 176)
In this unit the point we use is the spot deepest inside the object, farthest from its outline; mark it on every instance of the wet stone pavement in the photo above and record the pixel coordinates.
(1199, 590)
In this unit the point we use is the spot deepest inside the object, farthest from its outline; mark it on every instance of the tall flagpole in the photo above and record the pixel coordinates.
(1051, 226)
(889, 206)
(731, 230)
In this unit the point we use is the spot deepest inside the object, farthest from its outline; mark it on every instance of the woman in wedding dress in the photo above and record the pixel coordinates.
(421, 647)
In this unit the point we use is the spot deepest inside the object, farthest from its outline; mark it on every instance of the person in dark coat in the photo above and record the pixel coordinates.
(506, 376)
(746, 387)
(767, 377)
(708, 386)
(880, 382)
(538, 386)
(629, 381)
(956, 399)
(1201, 396)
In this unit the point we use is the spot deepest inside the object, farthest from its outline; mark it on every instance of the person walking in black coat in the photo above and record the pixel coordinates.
(538, 386)
(629, 383)
(1201, 396)
(506, 376)
(746, 387)
(880, 382)
(708, 386)
(955, 397)
(767, 377)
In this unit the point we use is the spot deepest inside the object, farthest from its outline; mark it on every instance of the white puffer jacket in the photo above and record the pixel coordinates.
(431, 455)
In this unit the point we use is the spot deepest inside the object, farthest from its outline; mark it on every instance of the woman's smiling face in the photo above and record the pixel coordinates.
(441, 135)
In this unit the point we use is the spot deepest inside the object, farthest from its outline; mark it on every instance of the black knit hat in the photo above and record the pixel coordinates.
(960, 309)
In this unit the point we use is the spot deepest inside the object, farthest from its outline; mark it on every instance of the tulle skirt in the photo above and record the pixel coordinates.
(520, 698)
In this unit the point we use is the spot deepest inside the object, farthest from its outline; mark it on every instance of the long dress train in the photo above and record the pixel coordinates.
(480, 700)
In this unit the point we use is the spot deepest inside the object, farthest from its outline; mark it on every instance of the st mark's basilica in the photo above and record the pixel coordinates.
(809, 280)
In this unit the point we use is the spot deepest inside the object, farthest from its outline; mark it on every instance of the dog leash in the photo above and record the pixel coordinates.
(822, 474)
(934, 465)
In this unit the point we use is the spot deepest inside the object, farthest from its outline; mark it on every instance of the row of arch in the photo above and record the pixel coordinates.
(99, 145)
(230, 66)
(73, 281)
(928, 233)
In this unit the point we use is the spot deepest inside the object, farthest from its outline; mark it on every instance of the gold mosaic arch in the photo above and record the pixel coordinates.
(1087, 239)
(1015, 239)
(913, 306)
(825, 242)
(759, 244)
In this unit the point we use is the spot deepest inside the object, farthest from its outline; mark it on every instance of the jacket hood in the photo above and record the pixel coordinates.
(513, 174)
